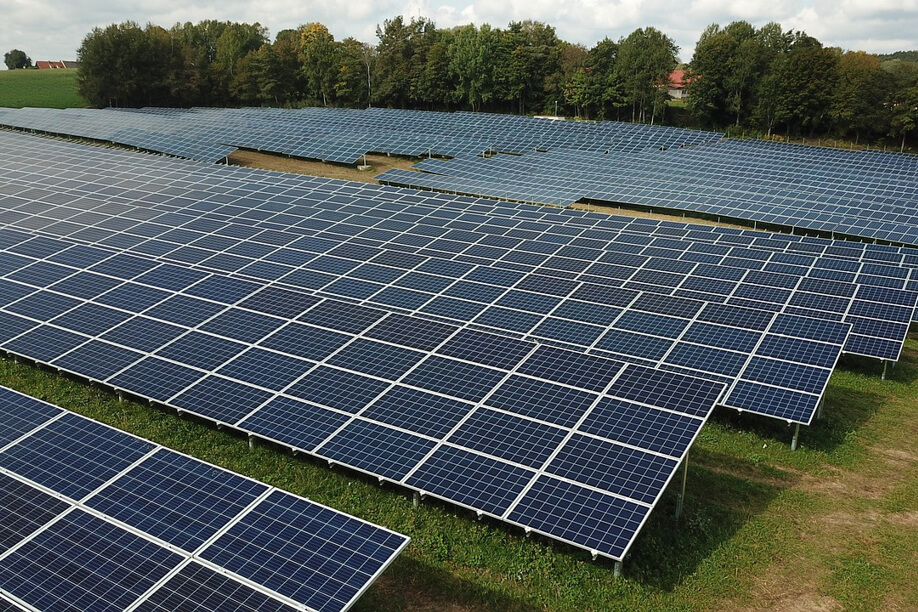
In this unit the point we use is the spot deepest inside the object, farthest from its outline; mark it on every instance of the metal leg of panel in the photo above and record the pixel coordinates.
(822, 402)
(796, 438)
(252, 441)
(617, 572)
(883, 375)
(680, 500)
(416, 499)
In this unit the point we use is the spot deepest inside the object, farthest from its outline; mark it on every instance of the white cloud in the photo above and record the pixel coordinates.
(54, 30)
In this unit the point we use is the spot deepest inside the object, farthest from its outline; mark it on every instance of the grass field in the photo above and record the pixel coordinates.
(40, 88)
(832, 526)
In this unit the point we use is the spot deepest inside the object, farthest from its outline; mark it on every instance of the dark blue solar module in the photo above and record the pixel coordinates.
(379, 450)
(418, 411)
(200, 350)
(305, 341)
(241, 325)
(573, 513)
(794, 405)
(585, 372)
(67, 559)
(23, 510)
(73, 456)
(97, 360)
(22, 414)
(266, 368)
(455, 378)
(82, 562)
(471, 479)
(337, 389)
(543, 400)
(176, 499)
(196, 588)
(608, 466)
(155, 379)
(508, 437)
(319, 557)
(221, 399)
(376, 358)
(678, 393)
(657, 430)
(301, 425)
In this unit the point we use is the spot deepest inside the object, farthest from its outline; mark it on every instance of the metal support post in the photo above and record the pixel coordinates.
(883, 375)
(416, 499)
(793, 445)
(680, 500)
(822, 402)
(251, 441)
(617, 572)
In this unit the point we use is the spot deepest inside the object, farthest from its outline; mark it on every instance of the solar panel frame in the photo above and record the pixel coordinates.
(109, 514)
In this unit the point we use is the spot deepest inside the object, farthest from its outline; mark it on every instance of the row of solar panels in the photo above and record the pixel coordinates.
(340, 135)
(453, 410)
(847, 193)
(680, 333)
(92, 518)
(577, 447)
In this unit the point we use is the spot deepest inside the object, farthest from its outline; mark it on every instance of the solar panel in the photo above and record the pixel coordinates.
(92, 518)
(407, 401)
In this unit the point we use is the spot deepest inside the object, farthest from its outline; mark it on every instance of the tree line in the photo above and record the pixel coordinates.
(762, 80)
(523, 68)
(769, 79)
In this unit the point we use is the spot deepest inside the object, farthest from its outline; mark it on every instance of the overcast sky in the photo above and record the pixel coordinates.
(53, 30)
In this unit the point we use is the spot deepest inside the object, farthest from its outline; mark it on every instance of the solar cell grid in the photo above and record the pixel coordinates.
(60, 554)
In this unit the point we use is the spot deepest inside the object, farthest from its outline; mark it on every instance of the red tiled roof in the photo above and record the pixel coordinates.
(677, 79)
(43, 65)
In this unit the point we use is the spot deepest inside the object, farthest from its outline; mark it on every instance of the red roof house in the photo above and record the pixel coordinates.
(42, 65)
(677, 83)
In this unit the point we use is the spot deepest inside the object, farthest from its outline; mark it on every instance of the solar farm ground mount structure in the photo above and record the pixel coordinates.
(110, 238)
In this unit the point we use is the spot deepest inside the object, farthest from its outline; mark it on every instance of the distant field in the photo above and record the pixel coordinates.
(40, 88)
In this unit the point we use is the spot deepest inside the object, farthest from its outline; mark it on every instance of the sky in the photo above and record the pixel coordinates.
(48, 30)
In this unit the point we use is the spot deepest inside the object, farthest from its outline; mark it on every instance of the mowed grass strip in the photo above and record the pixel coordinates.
(830, 526)
(40, 89)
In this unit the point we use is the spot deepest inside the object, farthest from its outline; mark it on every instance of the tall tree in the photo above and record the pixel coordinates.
(393, 67)
(530, 52)
(606, 95)
(16, 59)
(806, 80)
(646, 58)
(353, 83)
(320, 60)
(472, 65)
(860, 95)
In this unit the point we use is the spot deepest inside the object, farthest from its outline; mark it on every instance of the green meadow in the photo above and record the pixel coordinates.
(40, 88)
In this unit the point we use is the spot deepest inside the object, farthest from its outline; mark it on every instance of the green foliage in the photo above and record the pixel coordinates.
(645, 60)
(740, 78)
(16, 59)
(40, 88)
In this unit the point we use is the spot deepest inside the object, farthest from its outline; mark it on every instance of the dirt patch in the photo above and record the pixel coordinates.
(628, 212)
(280, 163)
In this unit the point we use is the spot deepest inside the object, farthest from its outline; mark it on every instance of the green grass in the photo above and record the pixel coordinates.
(831, 524)
(40, 88)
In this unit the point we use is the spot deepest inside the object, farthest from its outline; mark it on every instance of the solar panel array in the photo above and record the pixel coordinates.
(658, 331)
(861, 194)
(92, 518)
(488, 422)
(150, 133)
(343, 135)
